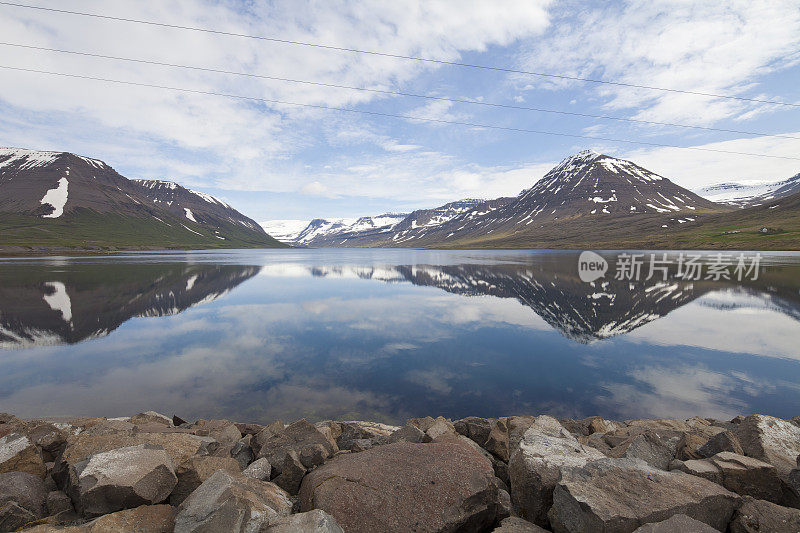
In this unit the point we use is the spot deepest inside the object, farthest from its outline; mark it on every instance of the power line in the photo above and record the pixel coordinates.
(396, 93)
(395, 56)
(391, 115)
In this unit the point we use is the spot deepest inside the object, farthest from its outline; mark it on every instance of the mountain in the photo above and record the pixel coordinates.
(284, 230)
(337, 232)
(588, 198)
(750, 194)
(774, 225)
(63, 200)
(67, 306)
(583, 312)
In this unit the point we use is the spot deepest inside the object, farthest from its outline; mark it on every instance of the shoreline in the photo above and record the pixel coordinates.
(155, 473)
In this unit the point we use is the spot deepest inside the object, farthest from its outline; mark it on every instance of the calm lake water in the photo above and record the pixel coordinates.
(389, 334)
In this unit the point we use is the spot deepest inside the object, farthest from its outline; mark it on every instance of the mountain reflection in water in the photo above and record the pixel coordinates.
(390, 334)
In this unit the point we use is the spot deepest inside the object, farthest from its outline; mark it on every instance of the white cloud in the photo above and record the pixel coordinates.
(711, 47)
(251, 138)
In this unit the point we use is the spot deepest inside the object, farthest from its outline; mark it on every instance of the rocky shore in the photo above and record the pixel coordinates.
(151, 473)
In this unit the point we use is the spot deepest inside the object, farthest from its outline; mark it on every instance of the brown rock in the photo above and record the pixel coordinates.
(144, 519)
(300, 437)
(292, 472)
(655, 447)
(497, 442)
(444, 486)
(197, 469)
(22, 499)
(724, 441)
(259, 469)
(688, 447)
(759, 516)
(513, 524)
(474, 428)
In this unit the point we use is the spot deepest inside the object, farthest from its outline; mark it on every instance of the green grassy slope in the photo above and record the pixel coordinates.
(84, 229)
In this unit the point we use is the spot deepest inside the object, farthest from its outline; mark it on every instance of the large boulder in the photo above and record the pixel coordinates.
(679, 523)
(619, 495)
(231, 504)
(310, 445)
(315, 521)
(122, 479)
(438, 486)
(102, 438)
(740, 474)
(759, 516)
(197, 469)
(23, 499)
(771, 440)
(19, 454)
(534, 468)
(474, 428)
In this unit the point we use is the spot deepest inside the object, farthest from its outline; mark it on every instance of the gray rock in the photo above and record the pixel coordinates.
(724, 441)
(195, 470)
(759, 516)
(771, 440)
(223, 431)
(301, 437)
(259, 469)
(243, 452)
(315, 521)
(655, 447)
(409, 433)
(619, 495)
(292, 472)
(22, 499)
(19, 454)
(122, 479)
(514, 524)
(535, 467)
(517, 426)
(677, 523)
(399, 487)
(231, 504)
(151, 417)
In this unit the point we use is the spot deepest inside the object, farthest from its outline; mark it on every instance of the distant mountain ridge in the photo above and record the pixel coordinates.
(750, 194)
(581, 188)
(59, 199)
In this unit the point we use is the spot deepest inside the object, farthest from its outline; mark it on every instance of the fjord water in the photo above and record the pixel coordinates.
(389, 334)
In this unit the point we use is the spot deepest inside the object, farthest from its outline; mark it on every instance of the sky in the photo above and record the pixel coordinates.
(280, 161)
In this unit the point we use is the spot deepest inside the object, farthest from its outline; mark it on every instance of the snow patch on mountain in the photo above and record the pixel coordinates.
(57, 198)
(26, 159)
(284, 230)
(749, 193)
